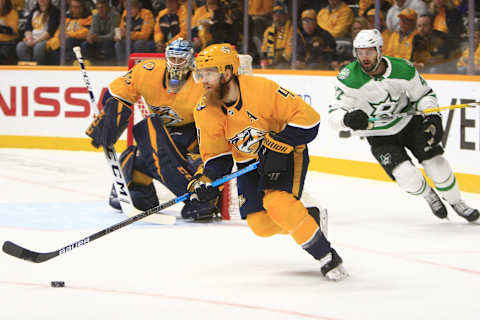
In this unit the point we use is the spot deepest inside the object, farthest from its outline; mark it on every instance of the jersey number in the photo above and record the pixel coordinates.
(285, 93)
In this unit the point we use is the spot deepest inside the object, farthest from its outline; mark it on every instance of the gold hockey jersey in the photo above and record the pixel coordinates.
(149, 80)
(263, 106)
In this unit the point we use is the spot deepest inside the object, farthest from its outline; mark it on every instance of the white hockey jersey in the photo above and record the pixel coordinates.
(399, 89)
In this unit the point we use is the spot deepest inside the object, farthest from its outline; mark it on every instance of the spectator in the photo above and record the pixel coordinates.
(316, 48)
(18, 4)
(226, 27)
(8, 32)
(365, 5)
(447, 18)
(260, 14)
(336, 18)
(382, 28)
(400, 44)
(393, 22)
(437, 46)
(201, 21)
(77, 24)
(462, 64)
(345, 45)
(99, 42)
(42, 22)
(170, 25)
(142, 27)
(276, 46)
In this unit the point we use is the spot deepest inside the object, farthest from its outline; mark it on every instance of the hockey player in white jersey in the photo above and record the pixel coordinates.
(377, 86)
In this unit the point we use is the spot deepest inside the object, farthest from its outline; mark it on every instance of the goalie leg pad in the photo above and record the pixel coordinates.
(438, 169)
(291, 215)
(409, 178)
(109, 125)
(173, 170)
(262, 225)
(143, 197)
(127, 162)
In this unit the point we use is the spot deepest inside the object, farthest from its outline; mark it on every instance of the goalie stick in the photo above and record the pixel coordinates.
(19, 252)
(119, 182)
(384, 117)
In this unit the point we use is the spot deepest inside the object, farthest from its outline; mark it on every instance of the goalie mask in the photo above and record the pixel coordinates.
(369, 38)
(179, 55)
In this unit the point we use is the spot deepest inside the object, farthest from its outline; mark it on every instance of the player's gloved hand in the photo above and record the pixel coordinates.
(109, 125)
(274, 154)
(433, 129)
(356, 119)
(202, 189)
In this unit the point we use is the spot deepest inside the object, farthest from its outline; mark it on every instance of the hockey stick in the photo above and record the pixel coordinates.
(38, 257)
(119, 182)
(386, 117)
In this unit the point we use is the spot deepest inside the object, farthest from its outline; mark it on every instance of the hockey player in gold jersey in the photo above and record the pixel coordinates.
(244, 118)
(166, 146)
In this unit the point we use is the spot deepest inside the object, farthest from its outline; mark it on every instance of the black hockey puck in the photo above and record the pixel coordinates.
(57, 284)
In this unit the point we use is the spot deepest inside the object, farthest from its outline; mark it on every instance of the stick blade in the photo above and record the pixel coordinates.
(17, 251)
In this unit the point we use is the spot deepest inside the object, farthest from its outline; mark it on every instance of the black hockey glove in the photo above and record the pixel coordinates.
(274, 155)
(109, 125)
(202, 189)
(356, 119)
(433, 129)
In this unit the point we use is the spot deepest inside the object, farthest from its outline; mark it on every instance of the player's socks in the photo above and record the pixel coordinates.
(464, 211)
(437, 206)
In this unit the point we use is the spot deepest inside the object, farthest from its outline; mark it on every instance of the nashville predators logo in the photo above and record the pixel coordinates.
(148, 66)
(167, 114)
(248, 141)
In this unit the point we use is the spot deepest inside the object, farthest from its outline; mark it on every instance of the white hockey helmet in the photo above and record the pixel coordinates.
(369, 38)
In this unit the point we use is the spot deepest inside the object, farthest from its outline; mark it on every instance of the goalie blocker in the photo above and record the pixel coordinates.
(109, 125)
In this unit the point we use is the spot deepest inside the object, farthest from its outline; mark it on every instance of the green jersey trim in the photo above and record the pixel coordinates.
(353, 76)
(401, 69)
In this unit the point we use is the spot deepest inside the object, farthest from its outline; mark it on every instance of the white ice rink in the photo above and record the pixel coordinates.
(404, 262)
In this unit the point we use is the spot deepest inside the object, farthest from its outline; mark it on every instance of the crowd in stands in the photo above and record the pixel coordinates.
(432, 34)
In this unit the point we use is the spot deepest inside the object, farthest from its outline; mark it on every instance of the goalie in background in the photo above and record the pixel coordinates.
(375, 85)
(246, 118)
(166, 142)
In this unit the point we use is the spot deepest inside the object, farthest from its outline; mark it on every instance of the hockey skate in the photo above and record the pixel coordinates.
(331, 267)
(464, 211)
(437, 206)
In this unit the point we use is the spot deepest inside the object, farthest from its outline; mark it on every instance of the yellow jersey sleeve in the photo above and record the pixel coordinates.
(280, 106)
(128, 87)
(210, 122)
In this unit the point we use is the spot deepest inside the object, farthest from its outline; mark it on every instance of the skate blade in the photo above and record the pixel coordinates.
(337, 274)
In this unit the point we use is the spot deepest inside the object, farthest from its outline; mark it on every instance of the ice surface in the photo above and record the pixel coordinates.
(403, 261)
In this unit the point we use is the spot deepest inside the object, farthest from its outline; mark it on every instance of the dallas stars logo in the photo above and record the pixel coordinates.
(387, 106)
(385, 159)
